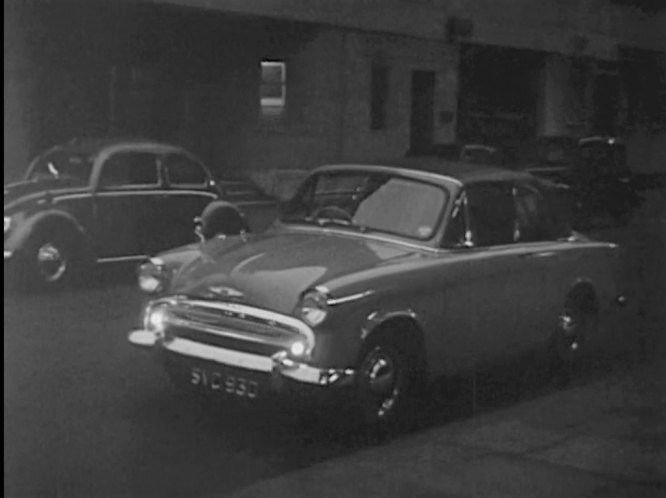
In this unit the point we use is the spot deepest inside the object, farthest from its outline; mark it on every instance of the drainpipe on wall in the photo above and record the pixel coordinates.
(342, 91)
(113, 100)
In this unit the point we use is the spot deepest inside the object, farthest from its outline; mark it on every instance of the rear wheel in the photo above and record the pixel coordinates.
(575, 328)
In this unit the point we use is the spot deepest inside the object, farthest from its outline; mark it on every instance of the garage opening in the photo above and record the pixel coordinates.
(498, 95)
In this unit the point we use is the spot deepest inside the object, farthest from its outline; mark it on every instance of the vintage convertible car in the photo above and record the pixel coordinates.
(375, 280)
(105, 200)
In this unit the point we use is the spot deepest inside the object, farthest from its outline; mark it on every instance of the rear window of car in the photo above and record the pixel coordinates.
(184, 171)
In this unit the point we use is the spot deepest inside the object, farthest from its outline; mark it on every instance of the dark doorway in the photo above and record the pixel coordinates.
(422, 119)
(498, 94)
(606, 98)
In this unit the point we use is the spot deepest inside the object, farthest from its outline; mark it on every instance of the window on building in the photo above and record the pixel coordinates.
(379, 87)
(273, 87)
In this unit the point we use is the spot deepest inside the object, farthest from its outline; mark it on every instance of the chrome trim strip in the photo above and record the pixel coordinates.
(67, 197)
(350, 298)
(228, 357)
(45, 194)
(120, 259)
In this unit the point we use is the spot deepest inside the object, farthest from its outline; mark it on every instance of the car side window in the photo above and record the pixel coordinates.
(491, 212)
(531, 222)
(183, 171)
(455, 233)
(129, 169)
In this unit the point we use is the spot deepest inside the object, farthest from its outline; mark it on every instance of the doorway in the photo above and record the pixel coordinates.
(422, 117)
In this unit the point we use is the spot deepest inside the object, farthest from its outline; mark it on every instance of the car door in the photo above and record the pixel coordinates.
(189, 191)
(491, 293)
(126, 204)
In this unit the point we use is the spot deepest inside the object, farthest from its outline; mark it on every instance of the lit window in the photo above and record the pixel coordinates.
(273, 85)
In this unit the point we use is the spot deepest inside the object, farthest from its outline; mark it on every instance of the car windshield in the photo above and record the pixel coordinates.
(62, 165)
(368, 201)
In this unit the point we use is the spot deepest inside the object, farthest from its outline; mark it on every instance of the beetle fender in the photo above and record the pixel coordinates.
(48, 219)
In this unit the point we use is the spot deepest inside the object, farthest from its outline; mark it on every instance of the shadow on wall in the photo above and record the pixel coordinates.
(279, 183)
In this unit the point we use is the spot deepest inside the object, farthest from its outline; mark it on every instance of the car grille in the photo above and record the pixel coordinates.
(233, 326)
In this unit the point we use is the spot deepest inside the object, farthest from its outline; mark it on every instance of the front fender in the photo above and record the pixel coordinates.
(28, 226)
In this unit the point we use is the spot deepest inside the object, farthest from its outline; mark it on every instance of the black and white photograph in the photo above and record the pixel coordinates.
(334, 248)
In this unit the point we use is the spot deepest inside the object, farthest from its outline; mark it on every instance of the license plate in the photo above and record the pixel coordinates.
(225, 382)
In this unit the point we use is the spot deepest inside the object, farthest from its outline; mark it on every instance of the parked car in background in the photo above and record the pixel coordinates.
(603, 188)
(377, 279)
(102, 200)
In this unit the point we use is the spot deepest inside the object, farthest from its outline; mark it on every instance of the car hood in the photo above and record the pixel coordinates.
(272, 270)
(21, 192)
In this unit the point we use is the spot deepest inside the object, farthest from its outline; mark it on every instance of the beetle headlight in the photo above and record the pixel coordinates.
(153, 276)
(313, 308)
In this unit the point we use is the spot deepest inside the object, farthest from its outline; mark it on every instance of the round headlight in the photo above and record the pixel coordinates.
(155, 319)
(153, 276)
(297, 348)
(313, 308)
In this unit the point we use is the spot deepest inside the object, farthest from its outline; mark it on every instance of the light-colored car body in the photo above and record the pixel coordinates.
(460, 305)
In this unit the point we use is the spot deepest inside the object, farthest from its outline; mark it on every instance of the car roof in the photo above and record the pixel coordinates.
(94, 145)
(437, 170)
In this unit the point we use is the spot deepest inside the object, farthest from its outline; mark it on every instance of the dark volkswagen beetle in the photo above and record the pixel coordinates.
(96, 201)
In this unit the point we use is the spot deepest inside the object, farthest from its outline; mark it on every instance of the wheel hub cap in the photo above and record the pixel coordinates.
(381, 377)
(52, 263)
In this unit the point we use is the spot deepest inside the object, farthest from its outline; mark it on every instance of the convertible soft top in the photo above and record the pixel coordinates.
(434, 169)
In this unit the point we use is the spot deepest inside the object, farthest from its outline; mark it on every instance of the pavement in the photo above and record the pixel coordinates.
(603, 437)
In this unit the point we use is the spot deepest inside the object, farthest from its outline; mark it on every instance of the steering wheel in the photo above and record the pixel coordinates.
(334, 212)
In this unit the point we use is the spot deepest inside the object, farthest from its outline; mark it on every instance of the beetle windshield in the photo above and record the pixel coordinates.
(61, 165)
(369, 201)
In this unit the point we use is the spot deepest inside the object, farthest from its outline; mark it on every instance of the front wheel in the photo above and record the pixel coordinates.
(385, 385)
(49, 260)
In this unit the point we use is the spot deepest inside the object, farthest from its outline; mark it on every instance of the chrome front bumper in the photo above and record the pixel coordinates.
(278, 365)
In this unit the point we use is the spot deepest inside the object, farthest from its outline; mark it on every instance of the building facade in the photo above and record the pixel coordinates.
(254, 86)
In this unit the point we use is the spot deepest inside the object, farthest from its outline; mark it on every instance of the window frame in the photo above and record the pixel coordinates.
(167, 175)
(274, 103)
(130, 186)
(471, 234)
